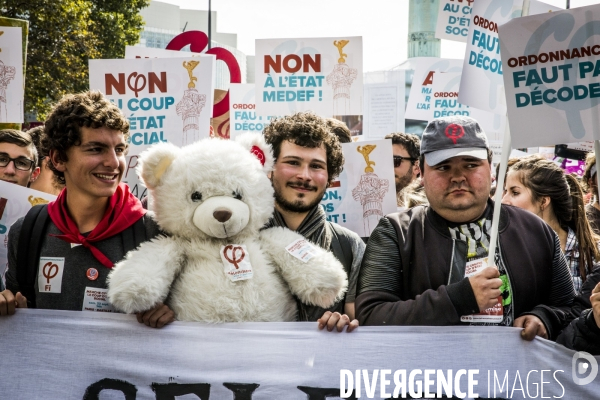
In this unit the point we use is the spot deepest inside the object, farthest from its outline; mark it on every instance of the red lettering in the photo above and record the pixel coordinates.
(154, 82)
(275, 64)
(110, 82)
(429, 79)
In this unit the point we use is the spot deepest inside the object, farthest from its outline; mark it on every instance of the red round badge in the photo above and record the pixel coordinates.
(92, 274)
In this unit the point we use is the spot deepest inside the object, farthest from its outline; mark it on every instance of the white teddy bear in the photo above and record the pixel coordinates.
(212, 198)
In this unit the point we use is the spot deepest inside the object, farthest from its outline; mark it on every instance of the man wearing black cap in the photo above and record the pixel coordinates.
(428, 265)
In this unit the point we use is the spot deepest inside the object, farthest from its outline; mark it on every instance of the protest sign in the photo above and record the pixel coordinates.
(482, 85)
(551, 77)
(151, 52)
(445, 91)
(454, 18)
(11, 74)
(242, 108)
(420, 98)
(323, 75)
(538, 7)
(496, 147)
(91, 355)
(365, 190)
(165, 99)
(384, 105)
(15, 202)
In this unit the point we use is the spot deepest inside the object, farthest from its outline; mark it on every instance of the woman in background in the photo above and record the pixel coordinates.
(542, 187)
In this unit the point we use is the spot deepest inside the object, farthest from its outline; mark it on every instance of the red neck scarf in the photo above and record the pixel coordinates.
(123, 210)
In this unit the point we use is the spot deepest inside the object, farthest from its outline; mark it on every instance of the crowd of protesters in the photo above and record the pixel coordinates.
(427, 264)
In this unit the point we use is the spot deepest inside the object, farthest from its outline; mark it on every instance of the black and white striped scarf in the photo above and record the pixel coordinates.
(314, 227)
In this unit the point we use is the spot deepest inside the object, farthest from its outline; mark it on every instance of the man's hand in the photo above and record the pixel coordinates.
(331, 320)
(8, 302)
(156, 317)
(486, 287)
(532, 327)
(595, 300)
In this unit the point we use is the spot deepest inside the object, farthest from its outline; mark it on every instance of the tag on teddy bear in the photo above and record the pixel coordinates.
(301, 249)
(236, 262)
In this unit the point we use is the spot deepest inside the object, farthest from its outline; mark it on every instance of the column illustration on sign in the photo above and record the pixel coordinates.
(7, 73)
(340, 79)
(190, 106)
(370, 191)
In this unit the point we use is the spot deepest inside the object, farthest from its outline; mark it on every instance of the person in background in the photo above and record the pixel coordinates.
(18, 158)
(542, 187)
(46, 182)
(590, 180)
(405, 147)
(339, 129)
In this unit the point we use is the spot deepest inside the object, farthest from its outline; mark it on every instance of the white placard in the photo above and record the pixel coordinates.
(365, 190)
(242, 111)
(454, 18)
(445, 103)
(496, 147)
(482, 85)
(420, 98)
(384, 107)
(323, 75)
(11, 74)
(551, 64)
(538, 7)
(15, 202)
(94, 355)
(151, 52)
(165, 99)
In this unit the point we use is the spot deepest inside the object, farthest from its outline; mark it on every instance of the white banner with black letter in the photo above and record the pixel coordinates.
(85, 355)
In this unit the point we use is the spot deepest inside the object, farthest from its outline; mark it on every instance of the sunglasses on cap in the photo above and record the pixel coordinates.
(398, 160)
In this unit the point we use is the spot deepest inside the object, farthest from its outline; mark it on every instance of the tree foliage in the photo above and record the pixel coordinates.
(63, 36)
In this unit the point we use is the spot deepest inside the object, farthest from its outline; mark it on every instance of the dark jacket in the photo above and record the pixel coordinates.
(431, 287)
(583, 334)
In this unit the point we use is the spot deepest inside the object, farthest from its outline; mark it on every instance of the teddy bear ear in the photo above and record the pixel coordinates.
(154, 162)
(257, 145)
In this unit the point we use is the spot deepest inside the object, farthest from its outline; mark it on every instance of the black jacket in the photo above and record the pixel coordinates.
(583, 334)
(430, 288)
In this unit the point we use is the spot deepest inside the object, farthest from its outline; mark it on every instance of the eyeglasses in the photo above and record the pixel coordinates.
(398, 160)
(21, 163)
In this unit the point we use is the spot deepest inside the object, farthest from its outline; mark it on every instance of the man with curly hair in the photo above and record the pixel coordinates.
(92, 224)
(308, 157)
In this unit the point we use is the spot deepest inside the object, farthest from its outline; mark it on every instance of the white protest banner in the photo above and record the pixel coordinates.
(324, 75)
(482, 85)
(242, 110)
(538, 7)
(15, 202)
(11, 74)
(365, 190)
(91, 355)
(496, 147)
(445, 91)
(165, 99)
(454, 18)
(582, 146)
(419, 99)
(552, 64)
(384, 105)
(151, 52)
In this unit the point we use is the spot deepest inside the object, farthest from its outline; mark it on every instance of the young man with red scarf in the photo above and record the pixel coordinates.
(86, 139)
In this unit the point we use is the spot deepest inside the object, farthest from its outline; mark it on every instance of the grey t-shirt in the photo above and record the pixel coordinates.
(77, 260)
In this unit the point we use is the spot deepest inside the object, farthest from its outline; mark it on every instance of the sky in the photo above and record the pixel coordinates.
(383, 24)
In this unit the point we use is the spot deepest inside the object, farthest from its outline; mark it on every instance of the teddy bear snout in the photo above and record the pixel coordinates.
(222, 215)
